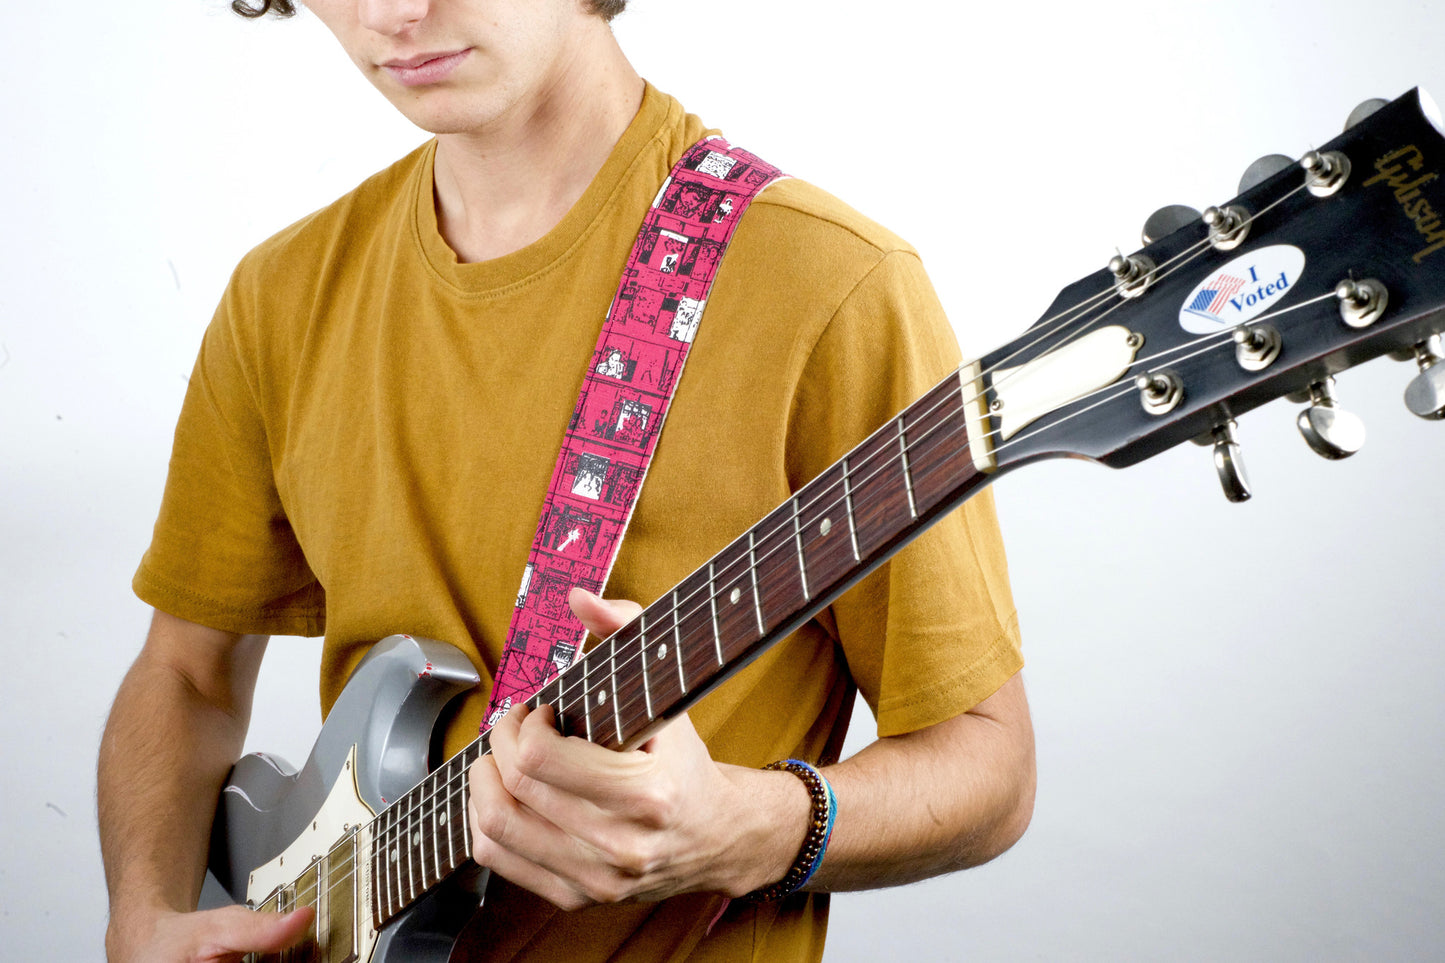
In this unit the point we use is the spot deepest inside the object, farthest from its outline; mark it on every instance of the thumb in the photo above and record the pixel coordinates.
(238, 929)
(601, 616)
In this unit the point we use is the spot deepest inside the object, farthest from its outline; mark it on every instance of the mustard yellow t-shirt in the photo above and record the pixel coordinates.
(371, 426)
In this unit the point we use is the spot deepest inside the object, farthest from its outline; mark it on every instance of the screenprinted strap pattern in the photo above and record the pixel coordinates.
(628, 386)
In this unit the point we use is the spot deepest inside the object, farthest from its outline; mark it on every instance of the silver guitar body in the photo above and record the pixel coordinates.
(272, 821)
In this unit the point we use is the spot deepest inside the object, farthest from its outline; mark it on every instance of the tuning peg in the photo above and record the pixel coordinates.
(1227, 463)
(1328, 429)
(1263, 169)
(1166, 221)
(1361, 302)
(1132, 274)
(1228, 226)
(1365, 109)
(1425, 395)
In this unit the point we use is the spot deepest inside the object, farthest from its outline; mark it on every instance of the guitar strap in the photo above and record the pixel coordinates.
(626, 392)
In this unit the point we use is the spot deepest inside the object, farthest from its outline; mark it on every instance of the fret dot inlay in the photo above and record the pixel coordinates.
(601, 696)
(737, 593)
(662, 651)
(826, 527)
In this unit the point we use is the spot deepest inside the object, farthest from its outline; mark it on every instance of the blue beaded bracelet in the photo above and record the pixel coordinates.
(815, 843)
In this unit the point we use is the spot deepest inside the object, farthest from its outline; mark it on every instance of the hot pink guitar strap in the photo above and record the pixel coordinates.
(626, 392)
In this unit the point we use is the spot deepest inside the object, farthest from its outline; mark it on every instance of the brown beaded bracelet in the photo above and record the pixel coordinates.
(815, 843)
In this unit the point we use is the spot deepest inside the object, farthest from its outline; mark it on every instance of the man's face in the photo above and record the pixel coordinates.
(453, 66)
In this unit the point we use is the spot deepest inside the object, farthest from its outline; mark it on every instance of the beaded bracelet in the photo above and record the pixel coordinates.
(820, 830)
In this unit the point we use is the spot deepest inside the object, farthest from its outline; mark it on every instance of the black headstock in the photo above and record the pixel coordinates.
(1321, 280)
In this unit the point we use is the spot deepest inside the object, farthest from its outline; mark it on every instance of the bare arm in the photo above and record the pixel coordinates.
(177, 726)
(947, 797)
(580, 824)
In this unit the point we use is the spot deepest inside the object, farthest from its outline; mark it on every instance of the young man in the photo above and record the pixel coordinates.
(369, 432)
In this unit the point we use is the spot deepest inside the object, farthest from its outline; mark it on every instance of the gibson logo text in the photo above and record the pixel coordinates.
(1399, 170)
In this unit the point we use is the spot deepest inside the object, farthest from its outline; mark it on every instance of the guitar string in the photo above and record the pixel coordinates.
(1071, 315)
(403, 821)
(1179, 353)
(1186, 256)
(569, 692)
(388, 836)
(410, 817)
(1200, 345)
(1163, 270)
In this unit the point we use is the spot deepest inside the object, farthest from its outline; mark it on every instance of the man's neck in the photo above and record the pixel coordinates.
(504, 187)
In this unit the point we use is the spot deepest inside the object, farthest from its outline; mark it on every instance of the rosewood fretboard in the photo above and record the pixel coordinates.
(763, 586)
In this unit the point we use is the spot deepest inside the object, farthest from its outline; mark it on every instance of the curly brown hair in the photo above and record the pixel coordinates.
(252, 9)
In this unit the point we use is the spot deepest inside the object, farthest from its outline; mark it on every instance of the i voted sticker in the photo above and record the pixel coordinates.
(1243, 289)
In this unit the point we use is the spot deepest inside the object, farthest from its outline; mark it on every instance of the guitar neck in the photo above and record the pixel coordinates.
(764, 586)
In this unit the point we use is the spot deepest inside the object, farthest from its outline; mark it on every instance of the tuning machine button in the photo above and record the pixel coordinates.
(1132, 274)
(1325, 171)
(1263, 169)
(1227, 463)
(1362, 303)
(1256, 346)
(1228, 226)
(1328, 429)
(1425, 395)
(1167, 220)
(1365, 109)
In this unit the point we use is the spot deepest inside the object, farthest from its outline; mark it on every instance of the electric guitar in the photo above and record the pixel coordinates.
(1318, 265)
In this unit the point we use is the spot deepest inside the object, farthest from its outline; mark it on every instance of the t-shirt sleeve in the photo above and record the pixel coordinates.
(933, 631)
(223, 553)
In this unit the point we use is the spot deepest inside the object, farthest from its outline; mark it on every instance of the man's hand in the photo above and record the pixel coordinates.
(579, 824)
(211, 936)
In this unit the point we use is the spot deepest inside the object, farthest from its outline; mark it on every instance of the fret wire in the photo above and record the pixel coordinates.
(676, 632)
(586, 701)
(798, 542)
(389, 861)
(399, 891)
(413, 836)
(646, 687)
(378, 874)
(557, 704)
(451, 818)
(462, 806)
(712, 605)
(379, 867)
(907, 472)
(323, 905)
(612, 675)
(436, 854)
(753, 572)
(677, 654)
(848, 507)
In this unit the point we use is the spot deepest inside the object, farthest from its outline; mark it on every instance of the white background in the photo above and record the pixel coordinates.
(1238, 713)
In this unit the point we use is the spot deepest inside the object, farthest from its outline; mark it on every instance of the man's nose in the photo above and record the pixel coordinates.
(391, 17)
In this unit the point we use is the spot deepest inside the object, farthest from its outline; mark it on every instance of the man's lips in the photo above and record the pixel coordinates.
(427, 68)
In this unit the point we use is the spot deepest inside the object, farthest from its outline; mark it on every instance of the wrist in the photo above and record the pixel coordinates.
(770, 826)
(822, 810)
(131, 927)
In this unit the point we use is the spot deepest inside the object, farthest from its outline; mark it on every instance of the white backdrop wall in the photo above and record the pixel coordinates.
(1238, 713)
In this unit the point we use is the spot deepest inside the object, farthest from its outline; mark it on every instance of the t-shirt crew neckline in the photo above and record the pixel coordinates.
(657, 114)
